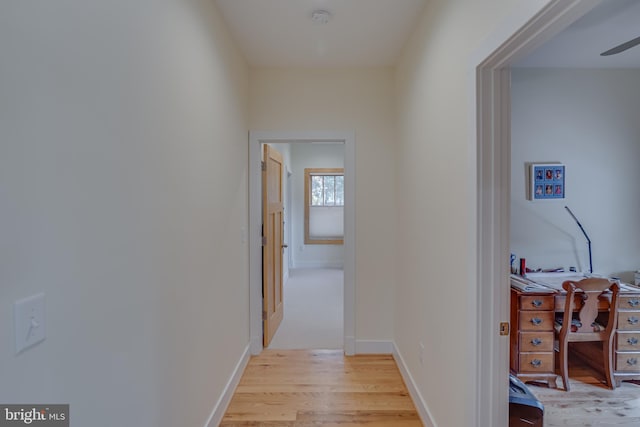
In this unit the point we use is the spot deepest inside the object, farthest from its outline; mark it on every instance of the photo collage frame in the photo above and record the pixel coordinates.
(548, 181)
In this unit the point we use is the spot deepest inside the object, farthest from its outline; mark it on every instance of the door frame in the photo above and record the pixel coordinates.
(532, 24)
(256, 139)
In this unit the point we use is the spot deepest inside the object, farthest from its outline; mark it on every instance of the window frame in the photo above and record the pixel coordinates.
(308, 173)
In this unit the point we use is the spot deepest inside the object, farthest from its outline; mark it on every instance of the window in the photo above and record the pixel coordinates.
(323, 206)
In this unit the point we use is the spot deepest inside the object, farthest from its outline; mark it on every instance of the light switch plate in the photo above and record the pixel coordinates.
(29, 321)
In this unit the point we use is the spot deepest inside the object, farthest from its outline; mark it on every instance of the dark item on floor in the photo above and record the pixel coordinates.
(524, 409)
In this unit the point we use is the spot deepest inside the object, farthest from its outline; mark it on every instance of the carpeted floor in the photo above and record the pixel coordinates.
(313, 310)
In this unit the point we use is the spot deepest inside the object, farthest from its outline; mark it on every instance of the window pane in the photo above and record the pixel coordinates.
(340, 190)
(329, 190)
(324, 212)
(317, 198)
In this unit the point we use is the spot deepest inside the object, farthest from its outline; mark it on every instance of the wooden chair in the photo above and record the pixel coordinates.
(579, 322)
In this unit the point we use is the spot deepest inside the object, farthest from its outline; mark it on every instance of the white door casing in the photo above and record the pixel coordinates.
(256, 138)
(533, 23)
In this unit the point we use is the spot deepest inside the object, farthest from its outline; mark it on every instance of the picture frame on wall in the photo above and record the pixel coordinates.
(547, 181)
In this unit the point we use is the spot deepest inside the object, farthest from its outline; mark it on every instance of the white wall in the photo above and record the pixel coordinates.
(588, 120)
(346, 100)
(436, 190)
(123, 188)
(307, 155)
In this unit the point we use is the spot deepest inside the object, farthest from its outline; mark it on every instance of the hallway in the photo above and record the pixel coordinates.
(320, 388)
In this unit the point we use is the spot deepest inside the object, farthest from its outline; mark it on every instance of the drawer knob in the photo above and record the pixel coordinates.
(632, 362)
(537, 362)
(536, 303)
(634, 302)
(536, 321)
(536, 341)
(632, 341)
(633, 320)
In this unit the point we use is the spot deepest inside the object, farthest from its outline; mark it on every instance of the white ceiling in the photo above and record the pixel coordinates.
(579, 46)
(280, 33)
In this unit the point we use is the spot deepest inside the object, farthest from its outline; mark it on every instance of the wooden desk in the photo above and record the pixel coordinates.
(627, 342)
(532, 335)
(531, 339)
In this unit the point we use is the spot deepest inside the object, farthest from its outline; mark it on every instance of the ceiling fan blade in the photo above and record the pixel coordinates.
(622, 47)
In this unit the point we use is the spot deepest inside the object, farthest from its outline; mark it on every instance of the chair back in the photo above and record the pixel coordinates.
(589, 292)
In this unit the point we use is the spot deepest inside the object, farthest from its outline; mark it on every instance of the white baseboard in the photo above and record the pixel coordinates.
(421, 406)
(374, 347)
(223, 402)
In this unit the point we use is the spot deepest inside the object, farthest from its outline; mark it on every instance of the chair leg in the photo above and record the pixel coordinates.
(607, 353)
(564, 364)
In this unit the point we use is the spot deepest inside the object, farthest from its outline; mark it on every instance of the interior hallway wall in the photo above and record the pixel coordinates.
(436, 198)
(347, 100)
(123, 180)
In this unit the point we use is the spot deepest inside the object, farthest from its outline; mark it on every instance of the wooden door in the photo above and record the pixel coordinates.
(272, 250)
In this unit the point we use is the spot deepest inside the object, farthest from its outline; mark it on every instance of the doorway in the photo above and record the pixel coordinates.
(256, 139)
(490, 74)
(312, 254)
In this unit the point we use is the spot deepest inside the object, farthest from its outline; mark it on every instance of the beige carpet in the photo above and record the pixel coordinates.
(313, 310)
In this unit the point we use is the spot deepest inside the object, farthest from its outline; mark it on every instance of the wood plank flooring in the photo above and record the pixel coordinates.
(322, 388)
(305, 388)
(590, 402)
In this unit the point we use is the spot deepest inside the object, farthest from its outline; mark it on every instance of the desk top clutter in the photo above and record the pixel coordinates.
(552, 282)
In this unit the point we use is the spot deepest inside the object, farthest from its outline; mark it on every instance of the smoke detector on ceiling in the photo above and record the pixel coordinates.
(320, 16)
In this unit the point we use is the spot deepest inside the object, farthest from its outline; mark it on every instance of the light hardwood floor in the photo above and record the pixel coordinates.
(322, 388)
(305, 388)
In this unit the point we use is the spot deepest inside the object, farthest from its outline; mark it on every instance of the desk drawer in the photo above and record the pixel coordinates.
(536, 362)
(536, 320)
(627, 362)
(628, 341)
(631, 302)
(536, 341)
(536, 302)
(629, 320)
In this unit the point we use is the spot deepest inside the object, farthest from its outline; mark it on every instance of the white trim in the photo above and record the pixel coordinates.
(374, 347)
(534, 22)
(255, 263)
(223, 402)
(418, 401)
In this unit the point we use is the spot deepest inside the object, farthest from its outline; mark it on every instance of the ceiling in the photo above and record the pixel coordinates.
(579, 46)
(362, 33)
(280, 33)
